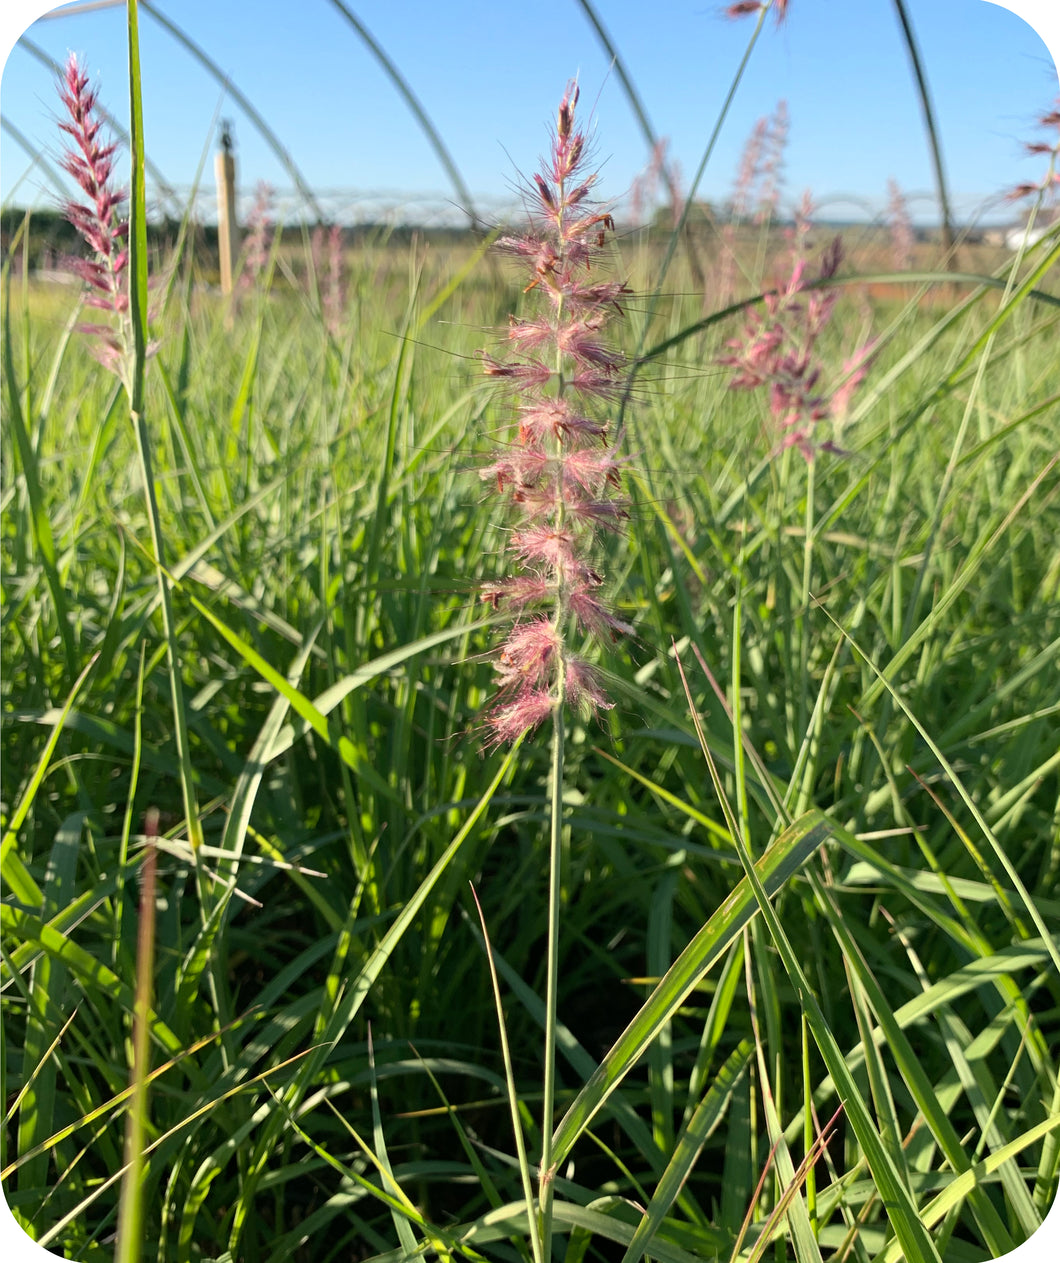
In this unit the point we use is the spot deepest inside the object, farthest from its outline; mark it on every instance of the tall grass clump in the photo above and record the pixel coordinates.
(748, 754)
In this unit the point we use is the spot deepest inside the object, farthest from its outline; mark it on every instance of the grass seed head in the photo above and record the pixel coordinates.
(560, 475)
(777, 351)
(100, 221)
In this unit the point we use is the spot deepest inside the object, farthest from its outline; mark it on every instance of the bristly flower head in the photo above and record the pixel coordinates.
(778, 350)
(1050, 181)
(560, 474)
(259, 236)
(744, 8)
(903, 238)
(100, 221)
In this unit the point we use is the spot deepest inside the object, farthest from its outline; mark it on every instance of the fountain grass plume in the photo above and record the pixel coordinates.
(259, 235)
(744, 8)
(772, 172)
(757, 188)
(1050, 181)
(560, 474)
(900, 226)
(334, 297)
(101, 221)
(777, 350)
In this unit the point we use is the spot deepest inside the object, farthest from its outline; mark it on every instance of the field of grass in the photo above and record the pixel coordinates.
(807, 868)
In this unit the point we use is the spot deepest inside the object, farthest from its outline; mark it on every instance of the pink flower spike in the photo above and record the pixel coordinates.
(530, 334)
(743, 8)
(596, 296)
(588, 469)
(854, 370)
(577, 341)
(552, 475)
(520, 469)
(1050, 119)
(609, 514)
(565, 113)
(99, 221)
(596, 383)
(778, 349)
(545, 193)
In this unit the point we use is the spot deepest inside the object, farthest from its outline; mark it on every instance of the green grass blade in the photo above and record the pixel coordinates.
(962, 1185)
(308, 711)
(582, 1063)
(999, 851)
(137, 218)
(225, 82)
(401, 1223)
(11, 867)
(91, 973)
(47, 1002)
(705, 1118)
(778, 864)
(901, 1209)
(40, 526)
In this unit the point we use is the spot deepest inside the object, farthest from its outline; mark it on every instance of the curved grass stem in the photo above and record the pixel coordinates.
(934, 144)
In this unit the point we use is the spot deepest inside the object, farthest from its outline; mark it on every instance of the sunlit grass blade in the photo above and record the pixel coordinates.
(401, 1223)
(202, 1110)
(901, 1209)
(582, 1063)
(475, 1161)
(14, 871)
(661, 1052)
(705, 1118)
(39, 523)
(342, 1010)
(106, 1107)
(388, 1191)
(776, 866)
(47, 1000)
(788, 1184)
(800, 1177)
(316, 719)
(963, 1184)
(91, 973)
(958, 785)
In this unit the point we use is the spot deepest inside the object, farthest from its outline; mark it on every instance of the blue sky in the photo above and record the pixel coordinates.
(489, 76)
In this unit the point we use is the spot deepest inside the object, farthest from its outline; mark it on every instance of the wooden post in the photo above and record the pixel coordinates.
(227, 226)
